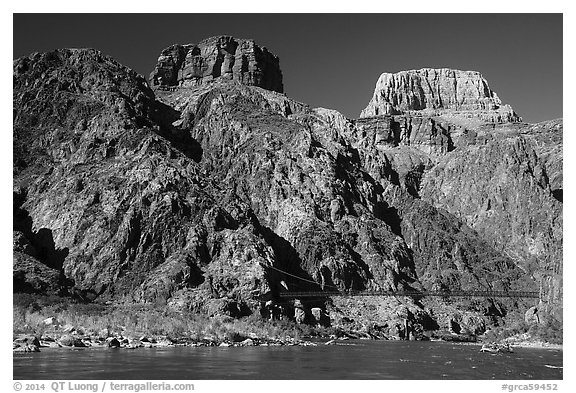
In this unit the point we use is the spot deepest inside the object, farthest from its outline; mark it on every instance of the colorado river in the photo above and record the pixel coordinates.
(353, 359)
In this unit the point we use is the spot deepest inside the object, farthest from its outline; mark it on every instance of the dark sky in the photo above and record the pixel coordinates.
(334, 60)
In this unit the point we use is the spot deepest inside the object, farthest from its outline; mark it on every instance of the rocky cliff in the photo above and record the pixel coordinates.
(502, 189)
(451, 144)
(221, 57)
(435, 91)
(211, 188)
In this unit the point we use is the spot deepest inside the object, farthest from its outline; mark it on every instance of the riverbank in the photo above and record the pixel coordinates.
(208, 332)
(131, 327)
(41, 322)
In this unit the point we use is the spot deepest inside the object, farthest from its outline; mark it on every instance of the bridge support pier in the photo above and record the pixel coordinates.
(406, 329)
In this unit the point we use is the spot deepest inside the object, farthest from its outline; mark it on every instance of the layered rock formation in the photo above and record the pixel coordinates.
(221, 57)
(212, 188)
(500, 177)
(435, 91)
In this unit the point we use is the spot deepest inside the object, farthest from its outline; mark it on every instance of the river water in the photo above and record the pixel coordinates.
(353, 359)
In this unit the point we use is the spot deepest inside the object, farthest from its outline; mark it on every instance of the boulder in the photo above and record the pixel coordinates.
(69, 340)
(25, 348)
(164, 342)
(247, 343)
(112, 342)
(50, 344)
(27, 341)
(134, 345)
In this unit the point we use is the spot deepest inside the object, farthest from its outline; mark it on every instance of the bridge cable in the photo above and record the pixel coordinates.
(303, 279)
(493, 293)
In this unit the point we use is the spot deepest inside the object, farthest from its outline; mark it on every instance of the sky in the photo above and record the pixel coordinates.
(334, 60)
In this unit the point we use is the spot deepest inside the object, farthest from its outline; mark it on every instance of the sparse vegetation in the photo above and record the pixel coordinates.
(148, 320)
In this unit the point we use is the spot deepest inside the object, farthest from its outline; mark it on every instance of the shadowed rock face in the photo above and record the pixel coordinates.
(437, 91)
(503, 191)
(202, 195)
(215, 58)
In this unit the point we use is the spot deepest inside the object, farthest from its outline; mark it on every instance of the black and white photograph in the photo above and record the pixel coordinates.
(286, 196)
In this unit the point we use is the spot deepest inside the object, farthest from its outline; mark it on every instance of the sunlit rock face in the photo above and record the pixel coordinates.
(221, 57)
(451, 143)
(438, 91)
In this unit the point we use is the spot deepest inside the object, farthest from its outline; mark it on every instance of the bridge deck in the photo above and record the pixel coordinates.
(467, 294)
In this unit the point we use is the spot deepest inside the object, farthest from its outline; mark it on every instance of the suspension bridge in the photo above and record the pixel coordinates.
(461, 294)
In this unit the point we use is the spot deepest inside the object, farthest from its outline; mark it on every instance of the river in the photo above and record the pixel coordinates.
(353, 359)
